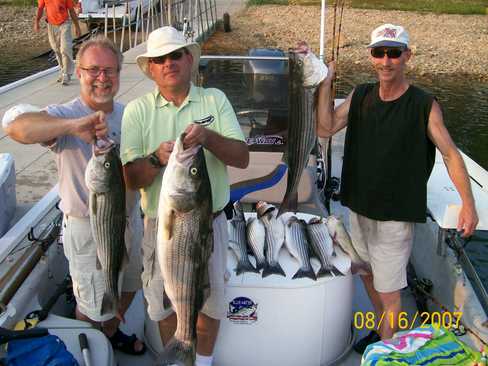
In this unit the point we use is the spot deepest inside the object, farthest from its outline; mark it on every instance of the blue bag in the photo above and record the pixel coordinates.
(42, 351)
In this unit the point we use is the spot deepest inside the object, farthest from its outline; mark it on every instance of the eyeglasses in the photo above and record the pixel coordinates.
(390, 52)
(95, 71)
(175, 55)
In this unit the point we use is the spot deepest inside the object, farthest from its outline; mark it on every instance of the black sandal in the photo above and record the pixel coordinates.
(125, 343)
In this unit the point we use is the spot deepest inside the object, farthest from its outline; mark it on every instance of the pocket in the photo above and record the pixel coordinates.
(84, 289)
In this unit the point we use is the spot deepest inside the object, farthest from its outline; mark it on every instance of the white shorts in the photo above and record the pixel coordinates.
(152, 279)
(88, 281)
(386, 246)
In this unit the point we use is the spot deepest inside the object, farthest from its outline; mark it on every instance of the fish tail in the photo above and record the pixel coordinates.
(324, 271)
(245, 267)
(305, 272)
(178, 353)
(290, 203)
(274, 268)
(109, 303)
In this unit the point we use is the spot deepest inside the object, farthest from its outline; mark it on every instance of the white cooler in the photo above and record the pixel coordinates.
(280, 321)
(8, 200)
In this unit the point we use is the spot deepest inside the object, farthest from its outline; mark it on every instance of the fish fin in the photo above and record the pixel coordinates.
(167, 225)
(245, 266)
(270, 269)
(323, 272)
(98, 265)
(166, 301)
(178, 353)
(93, 203)
(308, 272)
(290, 203)
(109, 304)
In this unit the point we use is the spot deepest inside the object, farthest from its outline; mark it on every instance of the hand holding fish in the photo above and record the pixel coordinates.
(467, 221)
(195, 135)
(164, 151)
(91, 127)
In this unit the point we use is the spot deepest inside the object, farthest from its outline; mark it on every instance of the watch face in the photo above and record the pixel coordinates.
(154, 160)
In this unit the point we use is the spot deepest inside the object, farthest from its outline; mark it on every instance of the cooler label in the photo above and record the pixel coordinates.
(242, 310)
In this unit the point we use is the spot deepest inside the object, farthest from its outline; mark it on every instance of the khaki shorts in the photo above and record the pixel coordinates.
(152, 279)
(88, 281)
(386, 246)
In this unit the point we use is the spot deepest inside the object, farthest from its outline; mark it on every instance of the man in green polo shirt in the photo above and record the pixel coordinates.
(150, 126)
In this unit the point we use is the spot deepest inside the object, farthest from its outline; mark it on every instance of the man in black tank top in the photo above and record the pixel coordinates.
(389, 152)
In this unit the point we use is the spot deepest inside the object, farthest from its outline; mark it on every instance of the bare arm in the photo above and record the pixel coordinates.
(230, 151)
(140, 173)
(330, 120)
(468, 218)
(40, 127)
(74, 18)
(40, 11)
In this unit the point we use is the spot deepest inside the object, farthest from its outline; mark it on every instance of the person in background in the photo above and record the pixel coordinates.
(59, 14)
(69, 130)
(393, 128)
(150, 126)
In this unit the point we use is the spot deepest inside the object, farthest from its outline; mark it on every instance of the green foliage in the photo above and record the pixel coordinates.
(434, 6)
(22, 3)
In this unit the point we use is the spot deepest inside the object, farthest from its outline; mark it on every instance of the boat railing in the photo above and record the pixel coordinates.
(197, 18)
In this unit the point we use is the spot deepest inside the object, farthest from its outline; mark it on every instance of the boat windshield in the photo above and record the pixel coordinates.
(258, 92)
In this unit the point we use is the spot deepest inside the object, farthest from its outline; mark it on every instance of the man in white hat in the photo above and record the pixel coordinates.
(393, 128)
(150, 126)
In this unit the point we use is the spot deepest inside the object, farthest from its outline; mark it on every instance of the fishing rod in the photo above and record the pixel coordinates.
(332, 184)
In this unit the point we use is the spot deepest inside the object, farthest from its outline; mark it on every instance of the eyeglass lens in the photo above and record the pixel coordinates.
(390, 52)
(95, 71)
(175, 55)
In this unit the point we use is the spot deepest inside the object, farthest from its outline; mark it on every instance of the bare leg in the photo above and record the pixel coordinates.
(387, 306)
(167, 328)
(109, 327)
(373, 294)
(392, 305)
(207, 331)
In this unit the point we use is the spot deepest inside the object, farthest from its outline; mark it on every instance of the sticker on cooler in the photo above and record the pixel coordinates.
(242, 310)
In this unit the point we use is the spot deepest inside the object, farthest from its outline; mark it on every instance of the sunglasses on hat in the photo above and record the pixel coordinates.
(380, 52)
(175, 55)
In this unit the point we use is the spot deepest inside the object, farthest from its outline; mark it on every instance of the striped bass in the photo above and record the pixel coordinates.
(256, 237)
(238, 240)
(301, 130)
(274, 238)
(321, 244)
(297, 244)
(184, 245)
(341, 237)
(105, 182)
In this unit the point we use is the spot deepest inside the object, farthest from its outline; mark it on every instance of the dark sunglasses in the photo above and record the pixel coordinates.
(175, 55)
(390, 52)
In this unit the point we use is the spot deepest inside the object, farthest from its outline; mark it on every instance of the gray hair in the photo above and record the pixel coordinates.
(102, 42)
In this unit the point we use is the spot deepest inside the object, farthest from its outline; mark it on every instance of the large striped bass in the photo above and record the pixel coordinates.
(297, 244)
(301, 130)
(184, 245)
(105, 182)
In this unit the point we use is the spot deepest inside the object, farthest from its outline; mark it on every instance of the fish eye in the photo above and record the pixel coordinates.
(106, 165)
(193, 171)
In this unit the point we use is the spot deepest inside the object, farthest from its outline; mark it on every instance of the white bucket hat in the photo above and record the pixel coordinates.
(389, 35)
(163, 41)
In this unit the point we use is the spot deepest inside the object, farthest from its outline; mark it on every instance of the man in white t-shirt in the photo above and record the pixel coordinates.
(69, 130)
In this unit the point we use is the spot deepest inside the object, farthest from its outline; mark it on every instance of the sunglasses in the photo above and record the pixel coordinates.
(174, 56)
(390, 52)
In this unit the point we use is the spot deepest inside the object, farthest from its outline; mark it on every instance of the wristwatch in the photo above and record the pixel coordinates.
(154, 160)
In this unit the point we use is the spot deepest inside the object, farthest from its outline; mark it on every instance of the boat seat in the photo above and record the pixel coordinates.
(265, 180)
(68, 330)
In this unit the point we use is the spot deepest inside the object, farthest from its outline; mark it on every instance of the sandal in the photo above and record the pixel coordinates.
(125, 343)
